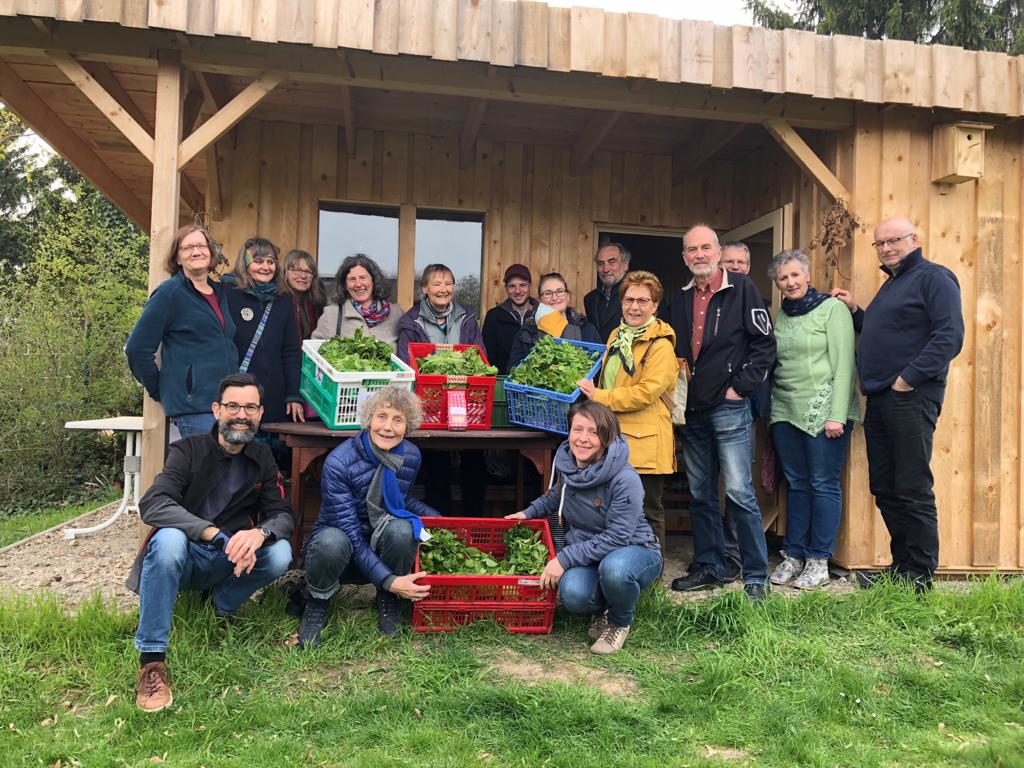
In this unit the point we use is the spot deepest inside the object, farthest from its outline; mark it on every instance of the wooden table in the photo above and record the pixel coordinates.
(312, 440)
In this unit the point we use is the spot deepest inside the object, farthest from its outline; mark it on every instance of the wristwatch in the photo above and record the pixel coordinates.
(268, 535)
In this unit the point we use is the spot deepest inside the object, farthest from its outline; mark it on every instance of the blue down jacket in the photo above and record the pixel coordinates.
(343, 487)
(602, 506)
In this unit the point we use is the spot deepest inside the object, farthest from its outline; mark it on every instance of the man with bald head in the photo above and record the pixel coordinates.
(910, 333)
(724, 334)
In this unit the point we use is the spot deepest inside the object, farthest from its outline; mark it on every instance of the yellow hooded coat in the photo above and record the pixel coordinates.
(636, 400)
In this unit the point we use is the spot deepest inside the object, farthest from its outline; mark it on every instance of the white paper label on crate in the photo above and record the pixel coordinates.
(528, 582)
(362, 397)
(319, 373)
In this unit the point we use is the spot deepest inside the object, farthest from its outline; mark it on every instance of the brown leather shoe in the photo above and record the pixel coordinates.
(153, 692)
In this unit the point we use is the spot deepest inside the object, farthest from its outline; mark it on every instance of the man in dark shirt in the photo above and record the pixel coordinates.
(602, 305)
(910, 333)
(504, 322)
(221, 526)
(724, 333)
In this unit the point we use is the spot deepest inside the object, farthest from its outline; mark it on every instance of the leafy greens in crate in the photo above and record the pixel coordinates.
(446, 553)
(359, 353)
(553, 366)
(454, 363)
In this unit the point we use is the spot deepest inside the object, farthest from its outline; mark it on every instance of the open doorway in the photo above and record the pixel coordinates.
(657, 252)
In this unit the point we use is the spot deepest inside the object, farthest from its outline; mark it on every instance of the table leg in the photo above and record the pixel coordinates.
(541, 459)
(298, 499)
(129, 499)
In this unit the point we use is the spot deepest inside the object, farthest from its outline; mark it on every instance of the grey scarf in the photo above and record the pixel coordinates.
(379, 516)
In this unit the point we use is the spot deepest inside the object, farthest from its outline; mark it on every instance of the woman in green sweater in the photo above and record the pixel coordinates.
(814, 405)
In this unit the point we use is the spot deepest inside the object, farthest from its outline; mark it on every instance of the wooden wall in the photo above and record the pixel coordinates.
(975, 229)
(536, 213)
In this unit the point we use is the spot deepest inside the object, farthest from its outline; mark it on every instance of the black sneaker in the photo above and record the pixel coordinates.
(388, 619)
(732, 573)
(314, 617)
(756, 592)
(700, 578)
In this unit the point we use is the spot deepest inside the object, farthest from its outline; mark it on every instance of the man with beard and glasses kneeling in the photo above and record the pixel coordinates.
(221, 526)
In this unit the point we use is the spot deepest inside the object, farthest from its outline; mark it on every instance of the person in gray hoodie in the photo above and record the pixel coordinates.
(610, 551)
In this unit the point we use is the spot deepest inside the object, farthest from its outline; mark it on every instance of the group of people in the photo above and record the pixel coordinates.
(221, 520)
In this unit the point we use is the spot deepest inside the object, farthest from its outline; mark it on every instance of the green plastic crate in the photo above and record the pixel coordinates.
(336, 396)
(500, 413)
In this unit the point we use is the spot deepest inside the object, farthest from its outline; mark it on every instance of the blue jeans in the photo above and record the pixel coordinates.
(329, 564)
(719, 440)
(614, 583)
(173, 563)
(189, 424)
(814, 502)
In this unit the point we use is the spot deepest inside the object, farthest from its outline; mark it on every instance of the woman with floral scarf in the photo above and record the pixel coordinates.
(361, 301)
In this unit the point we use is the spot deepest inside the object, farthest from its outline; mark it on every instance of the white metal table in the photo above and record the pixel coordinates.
(132, 427)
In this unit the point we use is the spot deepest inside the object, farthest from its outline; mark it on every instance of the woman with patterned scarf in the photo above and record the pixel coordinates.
(639, 367)
(814, 406)
(361, 301)
(265, 335)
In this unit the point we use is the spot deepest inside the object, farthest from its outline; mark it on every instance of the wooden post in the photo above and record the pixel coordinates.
(163, 225)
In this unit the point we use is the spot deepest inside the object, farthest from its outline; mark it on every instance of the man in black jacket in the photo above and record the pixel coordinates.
(910, 333)
(504, 322)
(221, 525)
(602, 306)
(724, 333)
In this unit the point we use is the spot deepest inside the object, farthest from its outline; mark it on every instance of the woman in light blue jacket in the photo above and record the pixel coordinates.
(610, 552)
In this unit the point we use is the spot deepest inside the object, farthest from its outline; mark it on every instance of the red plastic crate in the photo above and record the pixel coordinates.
(516, 602)
(430, 389)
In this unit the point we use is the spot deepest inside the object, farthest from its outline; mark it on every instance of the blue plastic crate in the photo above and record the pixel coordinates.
(542, 408)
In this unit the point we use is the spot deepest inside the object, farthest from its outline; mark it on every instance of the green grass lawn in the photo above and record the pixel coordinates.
(19, 527)
(870, 679)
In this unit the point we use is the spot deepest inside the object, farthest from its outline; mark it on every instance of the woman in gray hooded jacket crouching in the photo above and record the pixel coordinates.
(610, 552)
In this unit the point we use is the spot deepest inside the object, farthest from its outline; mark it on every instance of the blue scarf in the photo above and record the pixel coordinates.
(391, 494)
(802, 306)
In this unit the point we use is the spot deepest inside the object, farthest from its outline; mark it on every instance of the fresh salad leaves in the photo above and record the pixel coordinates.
(446, 553)
(553, 366)
(358, 353)
(453, 363)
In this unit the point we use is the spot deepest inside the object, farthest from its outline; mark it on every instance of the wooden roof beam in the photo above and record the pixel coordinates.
(227, 117)
(190, 194)
(804, 156)
(17, 95)
(689, 156)
(470, 131)
(104, 102)
(590, 138)
(215, 97)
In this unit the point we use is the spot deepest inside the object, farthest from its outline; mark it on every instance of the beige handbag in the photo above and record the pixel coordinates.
(675, 402)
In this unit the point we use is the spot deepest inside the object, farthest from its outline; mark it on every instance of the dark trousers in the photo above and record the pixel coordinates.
(898, 429)
(654, 507)
(329, 562)
(437, 486)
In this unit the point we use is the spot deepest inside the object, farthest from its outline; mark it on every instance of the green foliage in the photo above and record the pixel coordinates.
(455, 363)
(359, 353)
(446, 553)
(73, 289)
(819, 680)
(553, 366)
(984, 25)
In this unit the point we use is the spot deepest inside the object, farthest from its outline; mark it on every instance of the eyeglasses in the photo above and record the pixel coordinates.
(251, 409)
(879, 244)
(642, 303)
(556, 294)
(197, 248)
(301, 271)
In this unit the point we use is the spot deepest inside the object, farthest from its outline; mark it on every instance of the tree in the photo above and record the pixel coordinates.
(986, 25)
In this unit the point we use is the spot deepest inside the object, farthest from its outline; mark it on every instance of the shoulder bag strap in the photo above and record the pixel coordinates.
(665, 397)
(256, 338)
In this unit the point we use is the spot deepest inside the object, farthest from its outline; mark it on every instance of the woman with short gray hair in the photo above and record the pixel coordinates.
(369, 526)
(814, 405)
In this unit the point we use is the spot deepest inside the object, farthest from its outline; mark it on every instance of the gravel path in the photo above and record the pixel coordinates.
(75, 569)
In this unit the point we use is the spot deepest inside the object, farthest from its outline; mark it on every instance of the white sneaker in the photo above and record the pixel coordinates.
(787, 570)
(611, 640)
(815, 574)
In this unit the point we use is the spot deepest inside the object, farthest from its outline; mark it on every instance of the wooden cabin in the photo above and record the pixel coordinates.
(540, 130)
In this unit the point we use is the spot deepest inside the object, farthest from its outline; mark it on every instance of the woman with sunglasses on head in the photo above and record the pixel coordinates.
(638, 374)
(188, 320)
(265, 334)
(553, 317)
(361, 301)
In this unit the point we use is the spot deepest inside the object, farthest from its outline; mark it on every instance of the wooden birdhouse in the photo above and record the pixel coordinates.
(958, 152)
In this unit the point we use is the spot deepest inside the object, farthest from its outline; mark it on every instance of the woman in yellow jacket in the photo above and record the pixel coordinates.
(638, 369)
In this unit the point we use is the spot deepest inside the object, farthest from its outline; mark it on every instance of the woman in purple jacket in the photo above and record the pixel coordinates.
(610, 553)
